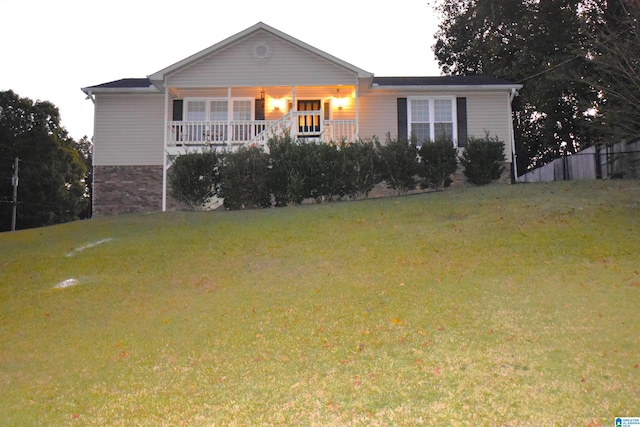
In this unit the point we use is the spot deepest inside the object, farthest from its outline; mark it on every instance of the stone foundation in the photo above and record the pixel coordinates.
(126, 189)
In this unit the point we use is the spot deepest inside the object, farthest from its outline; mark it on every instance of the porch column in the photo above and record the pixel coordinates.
(229, 113)
(294, 109)
(164, 151)
(357, 115)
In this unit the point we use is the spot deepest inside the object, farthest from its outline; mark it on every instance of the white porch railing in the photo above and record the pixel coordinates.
(235, 133)
(214, 133)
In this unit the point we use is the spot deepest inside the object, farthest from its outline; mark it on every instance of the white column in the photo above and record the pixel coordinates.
(164, 151)
(229, 113)
(294, 117)
(357, 114)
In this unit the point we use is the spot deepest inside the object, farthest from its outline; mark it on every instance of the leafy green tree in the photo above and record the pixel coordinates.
(613, 28)
(540, 44)
(52, 171)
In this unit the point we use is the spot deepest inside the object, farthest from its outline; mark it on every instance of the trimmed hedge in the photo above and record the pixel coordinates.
(438, 161)
(293, 171)
(194, 179)
(483, 160)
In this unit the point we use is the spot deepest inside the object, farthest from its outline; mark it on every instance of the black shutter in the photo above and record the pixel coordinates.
(403, 132)
(177, 110)
(259, 109)
(461, 107)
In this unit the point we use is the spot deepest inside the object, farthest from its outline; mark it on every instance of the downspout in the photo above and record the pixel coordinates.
(92, 97)
(514, 158)
(164, 151)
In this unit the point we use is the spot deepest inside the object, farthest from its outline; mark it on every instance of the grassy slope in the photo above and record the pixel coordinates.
(511, 305)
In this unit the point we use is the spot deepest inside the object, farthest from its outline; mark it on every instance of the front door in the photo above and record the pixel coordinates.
(309, 124)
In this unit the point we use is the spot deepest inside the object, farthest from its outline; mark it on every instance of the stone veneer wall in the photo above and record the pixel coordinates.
(126, 189)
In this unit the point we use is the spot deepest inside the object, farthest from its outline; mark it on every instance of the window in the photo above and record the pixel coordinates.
(218, 111)
(212, 116)
(431, 119)
(196, 111)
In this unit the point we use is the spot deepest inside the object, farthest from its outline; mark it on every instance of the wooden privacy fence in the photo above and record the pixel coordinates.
(620, 160)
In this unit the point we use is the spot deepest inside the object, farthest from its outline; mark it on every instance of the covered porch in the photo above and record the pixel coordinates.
(233, 117)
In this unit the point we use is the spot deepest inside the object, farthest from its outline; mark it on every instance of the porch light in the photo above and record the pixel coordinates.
(339, 103)
(277, 104)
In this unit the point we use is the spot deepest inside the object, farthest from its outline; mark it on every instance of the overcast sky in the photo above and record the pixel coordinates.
(51, 49)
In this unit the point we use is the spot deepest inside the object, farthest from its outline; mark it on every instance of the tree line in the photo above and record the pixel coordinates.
(55, 171)
(578, 61)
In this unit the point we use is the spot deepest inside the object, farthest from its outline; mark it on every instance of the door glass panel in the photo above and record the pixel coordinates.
(242, 112)
(309, 124)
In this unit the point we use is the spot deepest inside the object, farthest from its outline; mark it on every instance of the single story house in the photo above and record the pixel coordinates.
(260, 83)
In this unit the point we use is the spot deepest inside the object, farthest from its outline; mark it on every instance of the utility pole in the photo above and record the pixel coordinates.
(14, 181)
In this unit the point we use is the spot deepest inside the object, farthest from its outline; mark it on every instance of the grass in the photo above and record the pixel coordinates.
(504, 305)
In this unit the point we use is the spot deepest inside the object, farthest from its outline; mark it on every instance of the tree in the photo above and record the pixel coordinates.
(613, 27)
(537, 43)
(52, 171)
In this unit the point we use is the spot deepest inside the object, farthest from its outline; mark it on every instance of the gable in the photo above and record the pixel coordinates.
(261, 59)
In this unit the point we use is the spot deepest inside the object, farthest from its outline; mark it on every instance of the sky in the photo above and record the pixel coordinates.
(51, 49)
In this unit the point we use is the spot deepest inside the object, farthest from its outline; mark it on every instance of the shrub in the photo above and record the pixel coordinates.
(193, 178)
(483, 160)
(323, 171)
(287, 177)
(397, 163)
(359, 168)
(244, 179)
(438, 161)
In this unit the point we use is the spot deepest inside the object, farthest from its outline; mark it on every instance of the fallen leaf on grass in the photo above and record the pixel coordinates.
(396, 321)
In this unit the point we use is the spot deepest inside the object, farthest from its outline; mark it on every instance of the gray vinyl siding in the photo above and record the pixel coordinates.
(486, 112)
(378, 115)
(286, 65)
(129, 129)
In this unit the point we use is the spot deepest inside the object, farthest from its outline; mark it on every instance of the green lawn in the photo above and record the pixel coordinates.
(504, 305)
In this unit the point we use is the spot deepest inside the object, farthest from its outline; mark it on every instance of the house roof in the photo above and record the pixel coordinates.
(158, 77)
(128, 85)
(441, 81)
(155, 82)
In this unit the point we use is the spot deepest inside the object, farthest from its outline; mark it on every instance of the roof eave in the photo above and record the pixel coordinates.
(449, 88)
(97, 89)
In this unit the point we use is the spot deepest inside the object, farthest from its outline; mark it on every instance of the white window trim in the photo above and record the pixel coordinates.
(431, 99)
(207, 101)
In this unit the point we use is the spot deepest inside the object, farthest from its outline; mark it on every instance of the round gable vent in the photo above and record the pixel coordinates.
(261, 51)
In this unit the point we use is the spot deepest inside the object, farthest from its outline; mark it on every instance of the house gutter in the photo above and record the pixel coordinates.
(90, 96)
(514, 157)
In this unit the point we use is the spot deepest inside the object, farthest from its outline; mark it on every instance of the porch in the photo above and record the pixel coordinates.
(206, 119)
